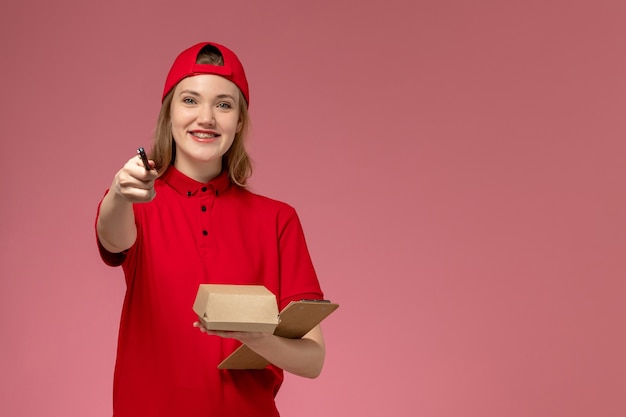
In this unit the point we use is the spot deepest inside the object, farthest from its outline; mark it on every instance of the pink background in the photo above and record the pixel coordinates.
(458, 167)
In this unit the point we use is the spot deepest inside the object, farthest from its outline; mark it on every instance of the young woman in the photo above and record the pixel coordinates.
(190, 220)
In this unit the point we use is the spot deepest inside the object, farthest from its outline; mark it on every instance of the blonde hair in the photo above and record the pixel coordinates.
(235, 160)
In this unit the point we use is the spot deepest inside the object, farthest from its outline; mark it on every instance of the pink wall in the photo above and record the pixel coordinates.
(458, 167)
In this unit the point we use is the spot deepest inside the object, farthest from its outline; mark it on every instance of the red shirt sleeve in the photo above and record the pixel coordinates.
(297, 274)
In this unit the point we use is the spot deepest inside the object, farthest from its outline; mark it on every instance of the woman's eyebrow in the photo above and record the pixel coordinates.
(193, 93)
(226, 96)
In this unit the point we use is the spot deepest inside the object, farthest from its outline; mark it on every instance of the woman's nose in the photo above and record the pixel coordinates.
(206, 116)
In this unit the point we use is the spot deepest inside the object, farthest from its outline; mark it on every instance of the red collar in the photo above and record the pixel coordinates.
(188, 186)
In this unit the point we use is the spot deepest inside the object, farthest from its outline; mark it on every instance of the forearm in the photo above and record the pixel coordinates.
(116, 223)
(303, 357)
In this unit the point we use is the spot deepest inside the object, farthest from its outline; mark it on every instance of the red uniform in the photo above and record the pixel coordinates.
(190, 234)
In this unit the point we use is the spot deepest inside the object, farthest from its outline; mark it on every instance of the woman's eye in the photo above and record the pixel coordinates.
(188, 100)
(224, 106)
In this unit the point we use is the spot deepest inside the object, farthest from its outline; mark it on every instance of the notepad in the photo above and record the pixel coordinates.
(296, 320)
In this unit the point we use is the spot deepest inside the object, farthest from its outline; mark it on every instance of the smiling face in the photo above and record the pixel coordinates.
(205, 118)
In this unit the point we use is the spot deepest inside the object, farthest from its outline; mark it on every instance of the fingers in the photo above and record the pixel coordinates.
(203, 329)
(199, 326)
(226, 334)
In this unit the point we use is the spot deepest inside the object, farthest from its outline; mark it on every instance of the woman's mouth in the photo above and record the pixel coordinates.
(204, 135)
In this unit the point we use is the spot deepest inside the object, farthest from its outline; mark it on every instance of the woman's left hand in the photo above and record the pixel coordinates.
(304, 356)
(243, 337)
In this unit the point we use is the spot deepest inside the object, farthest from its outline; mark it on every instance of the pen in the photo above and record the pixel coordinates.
(144, 158)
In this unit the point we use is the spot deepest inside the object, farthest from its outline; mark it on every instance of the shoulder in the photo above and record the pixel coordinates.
(264, 203)
(263, 209)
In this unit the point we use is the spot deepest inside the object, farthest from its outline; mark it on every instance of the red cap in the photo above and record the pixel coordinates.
(185, 66)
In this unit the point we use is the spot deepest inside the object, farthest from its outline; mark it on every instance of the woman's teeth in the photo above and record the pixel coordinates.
(203, 135)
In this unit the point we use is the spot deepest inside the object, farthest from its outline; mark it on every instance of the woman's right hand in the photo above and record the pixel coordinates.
(134, 182)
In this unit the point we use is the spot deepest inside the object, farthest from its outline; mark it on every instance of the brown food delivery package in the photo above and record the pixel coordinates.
(245, 308)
